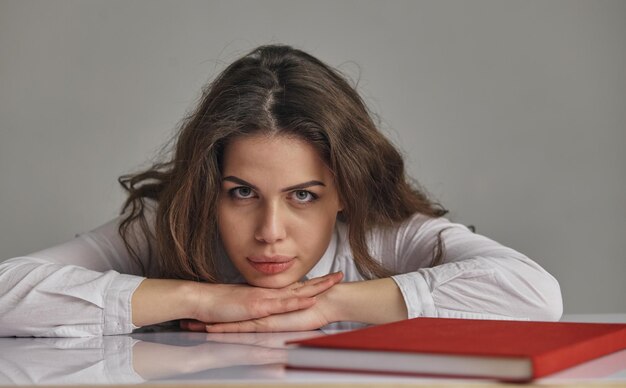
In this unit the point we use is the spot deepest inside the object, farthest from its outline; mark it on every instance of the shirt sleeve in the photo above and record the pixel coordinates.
(80, 288)
(478, 278)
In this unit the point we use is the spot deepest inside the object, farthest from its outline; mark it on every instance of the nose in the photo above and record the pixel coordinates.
(271, 225)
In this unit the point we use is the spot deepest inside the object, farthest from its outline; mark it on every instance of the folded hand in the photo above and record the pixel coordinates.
(219, 303)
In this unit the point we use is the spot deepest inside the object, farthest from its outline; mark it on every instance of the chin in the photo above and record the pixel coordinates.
(272, 281)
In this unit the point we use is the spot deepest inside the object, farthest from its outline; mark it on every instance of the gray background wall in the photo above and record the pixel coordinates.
(512, 113)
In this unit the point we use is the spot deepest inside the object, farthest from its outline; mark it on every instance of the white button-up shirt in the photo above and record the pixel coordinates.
(84, 287)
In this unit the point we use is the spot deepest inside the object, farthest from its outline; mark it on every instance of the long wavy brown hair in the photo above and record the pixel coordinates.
(274, 89)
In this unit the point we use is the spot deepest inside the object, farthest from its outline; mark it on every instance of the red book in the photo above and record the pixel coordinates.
(504, 350)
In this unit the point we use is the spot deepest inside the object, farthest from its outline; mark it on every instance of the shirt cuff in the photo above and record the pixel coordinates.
(416, 293)
(117, 308)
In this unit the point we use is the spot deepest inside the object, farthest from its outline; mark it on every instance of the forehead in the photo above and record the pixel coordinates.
(281, 158)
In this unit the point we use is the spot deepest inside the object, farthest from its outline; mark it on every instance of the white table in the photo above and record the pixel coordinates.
(198, 359)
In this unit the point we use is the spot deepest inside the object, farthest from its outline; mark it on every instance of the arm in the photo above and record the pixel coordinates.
(479, 278)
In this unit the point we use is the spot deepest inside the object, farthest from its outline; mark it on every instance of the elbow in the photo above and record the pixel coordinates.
(534, 293)
(547, 303)
(553, 306)
(538, 292)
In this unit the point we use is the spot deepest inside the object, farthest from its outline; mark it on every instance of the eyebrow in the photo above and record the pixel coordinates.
(299, 186)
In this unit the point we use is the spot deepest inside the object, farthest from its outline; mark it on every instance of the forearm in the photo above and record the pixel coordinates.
(162, 300)
(371, 301)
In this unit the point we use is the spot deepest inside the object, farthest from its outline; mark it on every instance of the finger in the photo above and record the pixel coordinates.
(192, 325)
(296, 285)
(314, 289)
(184, 323)
(338, 275)
(332, 277)
(311, 290)
(335, 276)
(196, 326)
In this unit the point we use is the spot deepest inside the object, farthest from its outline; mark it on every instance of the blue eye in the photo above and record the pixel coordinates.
(241, 192)
(303, 196)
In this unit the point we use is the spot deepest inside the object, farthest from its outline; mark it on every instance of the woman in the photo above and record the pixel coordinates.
(282, 208)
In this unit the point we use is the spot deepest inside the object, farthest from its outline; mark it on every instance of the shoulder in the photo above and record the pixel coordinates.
(384, 235)
(417, 228)
(414, 237)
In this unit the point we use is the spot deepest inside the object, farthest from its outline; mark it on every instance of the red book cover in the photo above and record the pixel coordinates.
(548, 346)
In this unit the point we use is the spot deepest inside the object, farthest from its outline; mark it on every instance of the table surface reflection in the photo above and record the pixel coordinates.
(174, 357)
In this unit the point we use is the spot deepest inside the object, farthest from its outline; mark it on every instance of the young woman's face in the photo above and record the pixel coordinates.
(277, 208)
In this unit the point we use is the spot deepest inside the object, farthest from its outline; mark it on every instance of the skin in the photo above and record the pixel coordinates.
(278, 202)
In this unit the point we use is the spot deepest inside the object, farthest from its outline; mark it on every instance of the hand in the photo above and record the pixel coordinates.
(311, 318)
(234, 302)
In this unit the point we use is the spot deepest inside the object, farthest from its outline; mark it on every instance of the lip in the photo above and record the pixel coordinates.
(271, 265)
(270, 259)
